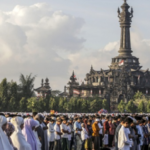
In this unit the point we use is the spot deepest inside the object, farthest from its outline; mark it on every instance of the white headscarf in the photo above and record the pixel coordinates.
(8, 119)
(17, 137)
(4, 142)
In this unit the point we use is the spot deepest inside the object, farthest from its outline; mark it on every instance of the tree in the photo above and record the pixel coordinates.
(141, 107)
(4, 95)
(130, 107)
(138, 95)
(148, 107)
(94, 106)
(12, 105)
(23, 104)
(121, 106)
(105, 104)
(27, 85)
(84, 106)
(33, 104)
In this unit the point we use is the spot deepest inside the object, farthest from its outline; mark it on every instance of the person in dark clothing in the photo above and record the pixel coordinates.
(40, 131)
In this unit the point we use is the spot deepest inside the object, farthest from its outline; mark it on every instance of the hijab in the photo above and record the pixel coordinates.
(17, 137)
(4, 142)
(29, 134)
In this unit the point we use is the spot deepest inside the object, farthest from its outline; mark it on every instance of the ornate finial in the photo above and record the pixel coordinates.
(73, 77)
(125, 1)
(91, 68)
(42, 82)
(46, 80)
(118, 10)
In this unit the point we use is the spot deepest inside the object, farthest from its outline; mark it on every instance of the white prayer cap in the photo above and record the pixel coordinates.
(97, 119)
(53, 118)
(8, 119)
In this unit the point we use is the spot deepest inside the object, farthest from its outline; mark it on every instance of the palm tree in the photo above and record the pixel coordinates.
(26, 86)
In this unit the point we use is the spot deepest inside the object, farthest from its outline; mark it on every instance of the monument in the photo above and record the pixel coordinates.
(123, 78)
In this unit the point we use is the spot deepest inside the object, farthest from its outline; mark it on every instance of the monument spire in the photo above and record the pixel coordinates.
(125, 19)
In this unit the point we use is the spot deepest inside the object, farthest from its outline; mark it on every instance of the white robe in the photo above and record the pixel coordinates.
(45, 136)
(50, 132)
(39, 145)
(123, 139)
(4, 142)
(84, 134)
(17, 137)
(140, 132)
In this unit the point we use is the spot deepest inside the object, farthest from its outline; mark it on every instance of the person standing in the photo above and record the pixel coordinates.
(64, 131)
(57, 133)
(4, 142)
(117, 132)
(106, 131)
(146, 138)
(139, 132)
(29, 126)
(100, 133)
(77, 137)
(45, 128)
(17, 137)
(69, 135)
(88, 142)
(111, 132)
(95, 135)
(84, 136)
(50, 134)
(124, 142)
(40, 131)
(133, 131)
(72, 133)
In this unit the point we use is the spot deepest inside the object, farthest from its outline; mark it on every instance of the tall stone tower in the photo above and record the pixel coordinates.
(125, 57)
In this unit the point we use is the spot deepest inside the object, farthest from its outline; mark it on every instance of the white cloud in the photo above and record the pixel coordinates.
(31, 38)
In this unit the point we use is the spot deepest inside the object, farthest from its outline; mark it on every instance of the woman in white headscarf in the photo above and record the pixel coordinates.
(17, 137)
(4, 142)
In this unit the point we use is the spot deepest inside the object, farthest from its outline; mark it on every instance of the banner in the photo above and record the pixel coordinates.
(76, 92)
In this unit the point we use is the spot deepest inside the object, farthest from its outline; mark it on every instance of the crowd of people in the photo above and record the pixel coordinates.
(74, 132)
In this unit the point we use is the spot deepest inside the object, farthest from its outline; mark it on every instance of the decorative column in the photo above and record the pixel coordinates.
(125, 19)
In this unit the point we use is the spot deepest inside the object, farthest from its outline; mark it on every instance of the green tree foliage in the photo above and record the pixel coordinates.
(4, 95)
(138, 95)
(105, 104)
(148, 107)
(130, 107)
(26, 85)
(23, 104)
(121, 106)
(33, 104)
(141, 107)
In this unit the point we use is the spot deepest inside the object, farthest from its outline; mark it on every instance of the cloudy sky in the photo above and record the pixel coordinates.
(51, 38)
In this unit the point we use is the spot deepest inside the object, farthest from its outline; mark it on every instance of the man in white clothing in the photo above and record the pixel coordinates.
(123, 137)
(64, 131)
(50, 133)
(57, 133)
(84, 135)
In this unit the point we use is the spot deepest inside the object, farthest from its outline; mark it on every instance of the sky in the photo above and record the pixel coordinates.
(51, 38)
